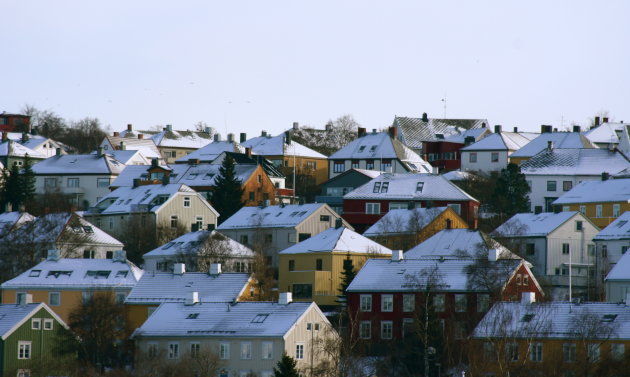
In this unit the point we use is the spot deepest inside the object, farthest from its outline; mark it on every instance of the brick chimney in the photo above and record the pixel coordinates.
(605, 120)
(393, 132)
(425, 117)
(116, 134)
(243, 137)
(596, 121)
(248, 152)
(129, 127)
(140, 136)
(361, 132)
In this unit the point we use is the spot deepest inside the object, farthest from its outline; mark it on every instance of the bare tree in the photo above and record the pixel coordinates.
(204, 362)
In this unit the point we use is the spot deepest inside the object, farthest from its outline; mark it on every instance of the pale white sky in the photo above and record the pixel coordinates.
(253, 65)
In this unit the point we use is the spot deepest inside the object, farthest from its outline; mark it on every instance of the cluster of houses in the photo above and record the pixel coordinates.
(390, 215)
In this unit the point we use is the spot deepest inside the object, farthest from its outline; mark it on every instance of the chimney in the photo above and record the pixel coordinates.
(596, 121)
(215, 269)
(397, 255)
(549, 145)
(483, 125)
(25, 299)
(192, 298)
(546, 129)
(100, 152)
(373, 130)
(230, 138)
(285, 298)
(493, 255)
(243, 137)
(605, 176)
(497, 129)
(338, 223)
(129, 127)
(217, 137)
(263, 133)
(329, 126)
(528, 298)
(24, 137)
(287, 137)
(140, 136)
(136, 182)
(53, 255)
(435, 170)
(169, 127)
(179, 269)
(469, 140)
(154, 163)
(425, 117)
(122, 145)
(207, 129)
(515, 129)
(120, 256)
(248, 151)
(605, 120)
(393, 132)
(296, 125)
(5, 136)
(57, 151)
(116, 134)
(361, 132)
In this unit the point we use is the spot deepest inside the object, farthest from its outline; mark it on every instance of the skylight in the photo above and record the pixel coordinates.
(260, 318)
(377, 186)
(609, 317)
(98, 274)
(34, 273)
(122, 274)
(621, 223)
(362, 148)
(385, 187)
(76, 229)
(56, 274)
(419, 186)
(527, 317)
(88, 229)
(373, 148)
(192, 316)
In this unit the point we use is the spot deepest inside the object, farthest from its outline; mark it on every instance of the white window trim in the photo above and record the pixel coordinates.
(27, 346)
(299, 355)
(265, 355)
(35, 321)
(48, 321)
(391, 327)
(243, 355)
(173, 352)
(387, 298)
(226, 354)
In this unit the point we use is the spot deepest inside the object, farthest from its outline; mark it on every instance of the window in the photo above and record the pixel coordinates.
(385, 187)
(366, 303)
(267, 350)
(365, 330)
(355, 164)
(536, 352)
(419, 186)
(244, 239)
(291, 265)
(186, 201)
(102, 182)
(472, 157)
(579, 226)
(386, 165)
(246, 350)
(24, 349)
(338, 166)
(173, 350)
(592, 352)
(54, 299)
(324, 218)
(617, 351)
(152, 349)
(224, 351)
(377, 187)
(409, 303)
(302, 291)
(194, 350)
(303, 236)
(456, 207)
(567, 185)
(551, 185)
(73, 182)
(494, 157)
(299, 351)
(460, 303)
(373, 208)
(569, 354)
(319, 264)
(387, 328)
(511, 350)
(483, 302)
(120, 296)
(598, 210)
(604, 251)
(50, 182)
(387, 303)
(173, 221)
(565, 248)
(36, 324)
(369, 164)
(268, 238)
(439, 302)
(530, 249)
(616, 210)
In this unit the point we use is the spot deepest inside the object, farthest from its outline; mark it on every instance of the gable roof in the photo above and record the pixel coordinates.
(192, 242)
(159, 287)
(561, 140)
(206, 174)
(413, 131)
(243, 158)
(510, 141)
(127, 156)
(401, 221)
(458, 242)
(239, 320)
(179, 139)
(146, 146)
(612, 190)
(78, 274)
(339, 239)
(212, 150)
(405, 187)
(13, 148)
(619, 229)
(460, 137)
(13, 316)
(605, 133)
(12, 220)
(79, 164)
(276, 146)
(533, 225)
(574, 162)
(278, 216)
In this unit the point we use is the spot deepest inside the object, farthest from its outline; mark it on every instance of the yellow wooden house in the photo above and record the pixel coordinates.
(312, 269)
(402, 229)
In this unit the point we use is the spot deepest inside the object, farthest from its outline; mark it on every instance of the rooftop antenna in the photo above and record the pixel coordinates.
(444, 100)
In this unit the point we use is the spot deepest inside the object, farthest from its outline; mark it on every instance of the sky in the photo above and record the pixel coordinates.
(248, 66)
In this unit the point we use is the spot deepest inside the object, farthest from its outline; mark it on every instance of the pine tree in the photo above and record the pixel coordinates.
(11, 192)
(226, 198)
(27, 181)
(511, 192)
(286, 367)
(347, 275)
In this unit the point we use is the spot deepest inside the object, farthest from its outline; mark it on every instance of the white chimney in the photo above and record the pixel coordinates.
(192, 298)
(215, 268)
(285, 298)
(397, 255)
(179, 268)
(528, 298)
(435, 170)
(493, 255)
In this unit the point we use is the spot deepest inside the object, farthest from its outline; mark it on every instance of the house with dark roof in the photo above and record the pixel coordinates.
(444, 153)
(210, 151)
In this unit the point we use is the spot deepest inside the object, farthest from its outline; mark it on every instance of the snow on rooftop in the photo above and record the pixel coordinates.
(192, 242)
(339, 239)
(401, 221)
(414, 131)
(271, 216)
(128, 199)
(612, 190)
(211, 151)
(510, 141)
(12, 314)
(275, 146)
(79, 164)
(457, 242)
(561, 140)
(574, 162)
(15, 149)
(531, 224)
(181, 139)
(605, 133)
(619, 229)
(146, 146)
(456, 175)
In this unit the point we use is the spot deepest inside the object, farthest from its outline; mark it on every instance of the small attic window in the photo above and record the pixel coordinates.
(527, 317)
(98, 274)
(128, 201)
(121, 201)
(168, 245)
(621, 223)
(122, 274)
(419, 186)
(278, 214)
(362, 148)
(88, 229)
(56, 274)
(385, 187)
(294, 213)
(302, 213)
(260, 318)
(609, 317)
(34, 273)
(192, 316)
(209, 176)
(377, 187)
(193, 175)
(373, 148)
(76, 229)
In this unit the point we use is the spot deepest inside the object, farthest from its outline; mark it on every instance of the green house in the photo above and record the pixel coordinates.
(27, 335)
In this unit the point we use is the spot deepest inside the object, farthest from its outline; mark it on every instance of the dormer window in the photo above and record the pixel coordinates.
(419, 186)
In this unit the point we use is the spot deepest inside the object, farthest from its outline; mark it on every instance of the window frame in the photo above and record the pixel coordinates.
(387, 303)
(173, 350)
(372, 208)
(24, 349)
(387, 330)
(224, 351)
(365, 303)
(299, 351)
(50, 298)
(472, 157)
(266, 349)
(246, 350)
(552, 186)
(365, 330)
(409, 303)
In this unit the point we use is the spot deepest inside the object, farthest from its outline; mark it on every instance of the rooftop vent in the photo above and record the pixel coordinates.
(192, 298)
(215, 268)
(179, 268)
(397, 255)
(285, 298)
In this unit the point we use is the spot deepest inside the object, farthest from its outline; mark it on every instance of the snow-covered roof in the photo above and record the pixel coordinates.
(12, 316)
(417, 186)
(553, 319)
(460, 137)
(15, 149)
(408, 275)
(275, 146)
(33, 142)
(456, 175)
(12, 220)
(574, 162)
(211, 151)
(159, 287)
(127, 156)
(239, 320)
(381, 145)
(612, 190)
(341, 240)
(561, 140)
(400, 221)
(413, 131)
(279, 216)
(77, 273)
(192, 242)
(146, 146)
(79, 164)
(510, 141)
(619, 229)
(533, 225)
(458, 242)
(605, 133)
(206, 174)
(369, 173)
(180, 139)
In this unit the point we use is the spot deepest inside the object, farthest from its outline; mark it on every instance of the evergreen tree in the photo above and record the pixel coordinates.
(347, 275)
(11, 192)
(27, 181)
(226, 198)
(510, 192)
(286, 367)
